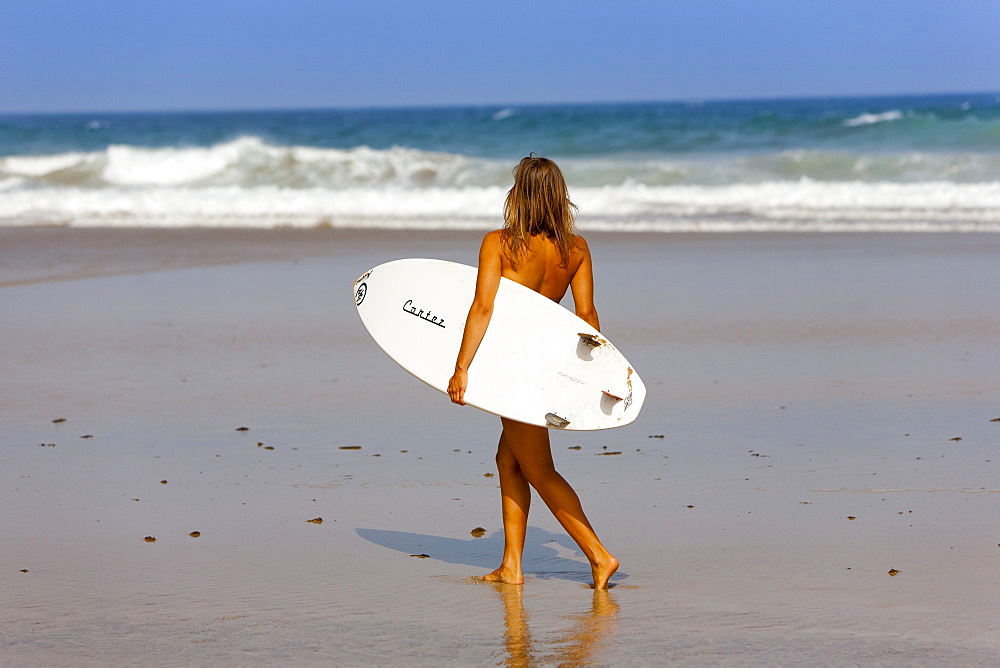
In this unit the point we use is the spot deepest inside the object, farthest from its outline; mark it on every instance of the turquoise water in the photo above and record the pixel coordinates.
(919, 163)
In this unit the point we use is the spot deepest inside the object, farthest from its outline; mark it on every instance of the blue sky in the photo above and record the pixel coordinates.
(104, 55)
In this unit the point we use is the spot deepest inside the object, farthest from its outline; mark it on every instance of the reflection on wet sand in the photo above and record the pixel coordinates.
(576, 645)
(517, 634)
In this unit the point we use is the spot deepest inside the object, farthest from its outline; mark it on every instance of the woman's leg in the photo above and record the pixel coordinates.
(530, 447)
(515, 500)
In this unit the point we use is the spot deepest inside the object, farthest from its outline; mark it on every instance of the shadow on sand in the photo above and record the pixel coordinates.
(542, 551)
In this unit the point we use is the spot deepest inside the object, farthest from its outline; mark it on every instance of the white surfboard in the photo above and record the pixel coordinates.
(538, 363)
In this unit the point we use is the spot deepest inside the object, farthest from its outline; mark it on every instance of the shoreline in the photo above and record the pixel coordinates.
(27, 253)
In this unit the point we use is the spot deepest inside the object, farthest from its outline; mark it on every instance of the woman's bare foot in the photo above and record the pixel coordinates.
(509, 576)
(603, 572)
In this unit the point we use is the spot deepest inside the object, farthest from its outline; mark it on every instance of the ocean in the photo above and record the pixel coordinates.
(866, 164)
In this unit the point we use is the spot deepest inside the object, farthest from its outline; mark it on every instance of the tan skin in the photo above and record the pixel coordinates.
(524, 456)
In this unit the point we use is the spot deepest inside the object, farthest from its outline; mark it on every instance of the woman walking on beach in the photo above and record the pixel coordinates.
(538, 249)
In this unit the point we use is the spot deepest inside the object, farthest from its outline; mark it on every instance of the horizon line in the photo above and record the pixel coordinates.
(500, 105)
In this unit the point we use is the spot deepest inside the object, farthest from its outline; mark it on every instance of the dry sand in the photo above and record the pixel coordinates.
(795, 382)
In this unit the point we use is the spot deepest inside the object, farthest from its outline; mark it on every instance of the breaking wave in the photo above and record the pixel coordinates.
(801, 205)
(869, 119)
(250, 182)
(250, 162)
(246, 162)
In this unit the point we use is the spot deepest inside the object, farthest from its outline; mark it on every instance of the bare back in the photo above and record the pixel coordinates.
(540, 267)
(542, 270)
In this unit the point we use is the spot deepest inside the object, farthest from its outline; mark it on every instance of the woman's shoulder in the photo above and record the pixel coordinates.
(492, 245)
(493, 240)
(578, 246)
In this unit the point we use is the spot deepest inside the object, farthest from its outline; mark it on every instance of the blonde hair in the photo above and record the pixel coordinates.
(538, 203)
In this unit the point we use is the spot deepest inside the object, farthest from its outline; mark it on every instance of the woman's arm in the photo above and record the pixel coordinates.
(582, 286)
(487, 283)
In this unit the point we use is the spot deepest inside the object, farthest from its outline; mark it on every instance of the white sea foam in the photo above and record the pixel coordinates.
(869, 119)
(10, 183)
(249, 161)
(801, 205)
(45, 165)
(247, 182)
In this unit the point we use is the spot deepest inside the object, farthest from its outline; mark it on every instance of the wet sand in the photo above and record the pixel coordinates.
(819, 415)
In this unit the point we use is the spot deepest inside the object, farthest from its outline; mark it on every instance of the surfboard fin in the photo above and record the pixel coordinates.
(612, 395)
(590, 339)
(556, 421)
